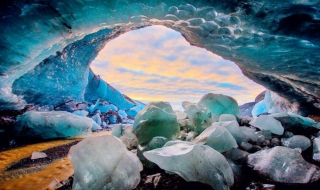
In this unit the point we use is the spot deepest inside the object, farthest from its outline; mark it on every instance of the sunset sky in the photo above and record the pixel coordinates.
(158, 64)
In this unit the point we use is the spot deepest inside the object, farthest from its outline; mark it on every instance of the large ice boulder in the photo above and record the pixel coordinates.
(198, 115)
(266, 122)
(283, 165)
(217, 137)
(194, 162)
(156, 119)
(220, 104)
(294, 122)
(297, 141)
(104, 163)
(53, 124)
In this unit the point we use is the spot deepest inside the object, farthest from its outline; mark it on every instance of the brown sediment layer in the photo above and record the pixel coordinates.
(17, 171)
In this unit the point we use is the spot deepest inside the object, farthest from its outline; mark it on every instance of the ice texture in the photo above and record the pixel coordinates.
(227, 117)
(81, 113)
(249, 132)
(97, 118)
(297, 141)
(98, 88)
(271, 49)
(198, 115)
(265, 122)
(53, 124)
(156, 119)
(259, 108)
(102, 163)
(234, 129)
(284, 165)
(156, 142)
(316, 149)
(294, 122)
(184, 158)
(220, 104)
(132, 112)
(217, 137)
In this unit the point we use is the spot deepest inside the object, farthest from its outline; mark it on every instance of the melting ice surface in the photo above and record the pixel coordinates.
(157, 64)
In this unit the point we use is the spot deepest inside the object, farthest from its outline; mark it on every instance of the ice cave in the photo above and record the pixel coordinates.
(63, 127)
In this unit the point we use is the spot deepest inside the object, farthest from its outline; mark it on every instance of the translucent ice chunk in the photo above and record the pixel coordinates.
(156, 119)
(218, 138)
(97, 118)
(284, 165)
(54, 124)
(183, 158)
(234, 129)
(265, 122)
(249, 132)
(227, 117)
(259, 108)
(198, 115)
(220, 104)
(102, 163)
(294, 122)
(297, 141)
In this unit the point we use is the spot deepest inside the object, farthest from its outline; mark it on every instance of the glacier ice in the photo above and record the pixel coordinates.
(183, 158)
(316, 149)
(156, 142)
(62, 47)
(265, 122)
(180, 114)
(284, 165)
(220, 104)
(102, 163)
(294, 122)
(227, 117)
(81, 113)
(132, 112)
(97, 118)
(217, 137)
(259, 108)
(234, 129)
(198, 115)
(297, 141)
(249, 132)
(156, 119)
(53, 124)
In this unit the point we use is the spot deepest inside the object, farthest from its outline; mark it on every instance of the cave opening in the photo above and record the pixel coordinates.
(157, 64)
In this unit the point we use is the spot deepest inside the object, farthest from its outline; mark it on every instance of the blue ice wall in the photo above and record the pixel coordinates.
(274, 43)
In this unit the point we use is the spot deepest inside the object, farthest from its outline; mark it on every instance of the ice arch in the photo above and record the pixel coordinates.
(47, 46)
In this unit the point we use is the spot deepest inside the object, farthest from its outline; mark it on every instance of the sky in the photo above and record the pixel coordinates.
(157, 64)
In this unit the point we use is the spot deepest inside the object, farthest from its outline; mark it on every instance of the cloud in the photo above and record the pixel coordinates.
(157, 63)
